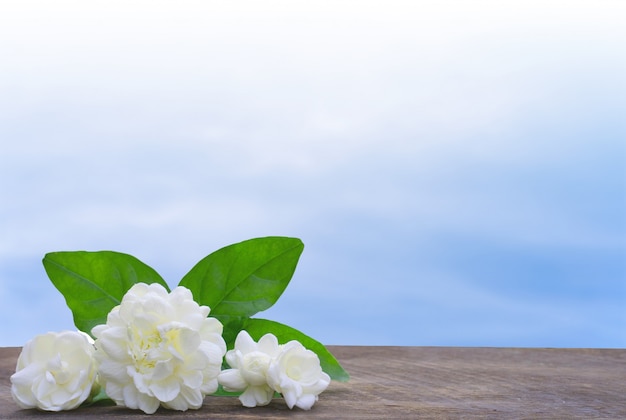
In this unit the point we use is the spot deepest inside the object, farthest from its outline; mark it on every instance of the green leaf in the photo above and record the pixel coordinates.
(95, 282)
(257, 328)
(99, 399)
(244, 278)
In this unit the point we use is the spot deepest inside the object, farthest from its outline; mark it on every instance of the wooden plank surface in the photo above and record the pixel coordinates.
(421, 382)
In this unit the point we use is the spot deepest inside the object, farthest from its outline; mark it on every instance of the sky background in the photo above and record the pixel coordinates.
(456, 170)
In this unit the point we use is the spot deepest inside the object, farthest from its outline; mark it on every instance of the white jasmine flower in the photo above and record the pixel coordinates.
(249, 362)
(55, 371)
(296, 373)
(159, 349)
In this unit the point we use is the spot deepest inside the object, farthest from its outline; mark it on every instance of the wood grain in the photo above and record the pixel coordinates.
(421, 382)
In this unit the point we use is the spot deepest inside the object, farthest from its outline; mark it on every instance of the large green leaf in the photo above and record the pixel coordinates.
(257, 327)
(244, 278)
(95, 282)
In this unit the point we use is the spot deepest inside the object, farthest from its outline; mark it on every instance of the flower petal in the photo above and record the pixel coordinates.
(269, 344)
(248, 398)
(306, 401)
(290, 397)
(244, 343)
(165, 391)
(231, 380)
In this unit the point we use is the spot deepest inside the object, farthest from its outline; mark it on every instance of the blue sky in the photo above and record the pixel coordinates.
(456, 171)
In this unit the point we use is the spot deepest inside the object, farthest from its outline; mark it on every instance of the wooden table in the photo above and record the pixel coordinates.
(421, 382)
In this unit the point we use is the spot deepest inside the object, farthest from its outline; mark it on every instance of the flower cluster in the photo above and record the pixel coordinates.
(263, 368)
(161, 349)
